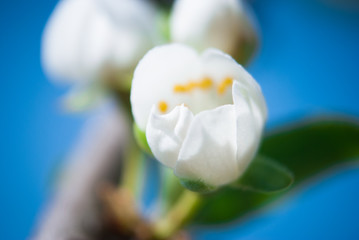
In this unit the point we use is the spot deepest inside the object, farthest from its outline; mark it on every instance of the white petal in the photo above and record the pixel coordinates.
(62, 36)
(248, 130)
(209, 150)
(220, 65)
(164, 67)
(155, 76)
(165, 133)
(252, 90)
(133, 33)
(95, 44)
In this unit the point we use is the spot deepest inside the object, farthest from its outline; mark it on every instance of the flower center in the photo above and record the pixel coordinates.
(204, 84)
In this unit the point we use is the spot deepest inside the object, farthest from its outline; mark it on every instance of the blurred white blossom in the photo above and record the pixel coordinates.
(87, 40)
(203, 114)
(222, 24)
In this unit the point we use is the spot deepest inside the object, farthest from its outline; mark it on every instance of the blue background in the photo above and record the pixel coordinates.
(308, 64)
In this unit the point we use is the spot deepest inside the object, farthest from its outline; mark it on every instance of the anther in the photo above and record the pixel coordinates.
(222, 87)
(162, 106)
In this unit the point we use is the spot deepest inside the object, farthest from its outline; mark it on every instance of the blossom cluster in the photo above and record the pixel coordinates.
(202, 113)
(94, 40)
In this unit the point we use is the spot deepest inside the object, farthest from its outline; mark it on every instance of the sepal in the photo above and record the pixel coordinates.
(197, 186)
(140, 137)
(265, 175)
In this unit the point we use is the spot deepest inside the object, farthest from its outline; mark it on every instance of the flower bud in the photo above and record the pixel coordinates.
(222, 24)
(87, 40)
(203, 113)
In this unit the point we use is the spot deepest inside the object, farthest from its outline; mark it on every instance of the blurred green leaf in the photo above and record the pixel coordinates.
(307, 149)
(265, 175)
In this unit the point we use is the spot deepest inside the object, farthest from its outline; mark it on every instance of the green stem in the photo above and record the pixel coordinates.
(134, 158)
(171, 189)
(133, 166)
(177, 216)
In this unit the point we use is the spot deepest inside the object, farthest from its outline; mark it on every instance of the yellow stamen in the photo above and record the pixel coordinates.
(222, 87)
(162, 106)
(205, 83)
(180, 89)
(184, 88)
(191, 85)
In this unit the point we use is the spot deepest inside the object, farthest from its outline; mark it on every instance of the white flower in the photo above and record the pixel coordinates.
(203, 114)
(222, 24)
(86, 40)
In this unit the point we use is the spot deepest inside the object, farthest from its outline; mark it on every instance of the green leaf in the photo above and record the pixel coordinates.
(265, 175)
(307, 149)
